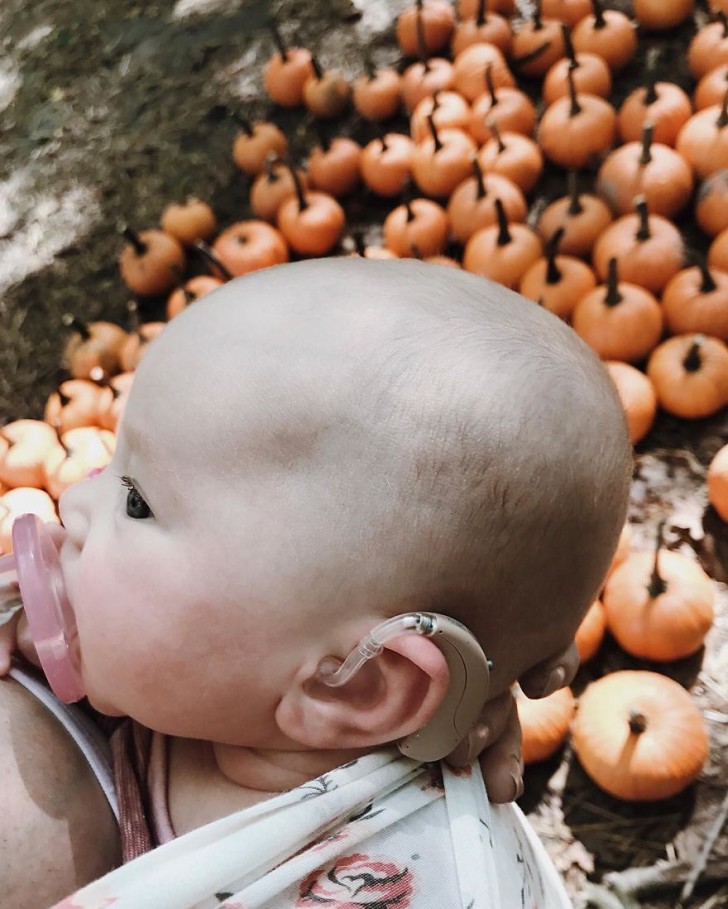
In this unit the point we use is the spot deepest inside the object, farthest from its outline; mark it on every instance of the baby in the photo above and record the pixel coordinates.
(307, 452)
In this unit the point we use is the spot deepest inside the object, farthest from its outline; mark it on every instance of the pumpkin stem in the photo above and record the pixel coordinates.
(302, 203)
(409, 210)
(648, 131)
(433, 131)
(657, 583)
(134, 320)
(272, 175)
(209, 256)
(489, 84)
(70, 321)
(613, 296)
(537, 20)
(723, 118)
(575, 108)
(480, 180)
(188, 295)
(278, 40)
(383, 140)
(369, 68)
(480, 13)
(572, 182)
(359, 247)
(504, 235)
(708, 284)
(244, 124)
(643, 232)
(493, 127)
(569, 46)
(421, 43)
(599, 20)
(132, 237)
(637, 722)
(692, 361)
(323, 138)
(316, 67)
(416, 251)
(651, 76)
(435, 100)
(553, 272)
(64, 398)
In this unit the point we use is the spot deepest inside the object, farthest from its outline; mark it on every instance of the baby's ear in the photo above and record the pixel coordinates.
(391, 696)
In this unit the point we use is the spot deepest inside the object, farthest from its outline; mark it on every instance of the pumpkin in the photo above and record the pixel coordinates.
(709, 47)
(386, 163)
(576, 130)
(255, 143)
(423, 79)
(712, 87)
(468, 9)
(582, 216)
(648, 248)
(590, 633)
(448, 110)
(82, 450)
(425, 28)
(607, 33)
(23, 500)
(271, 187)
(537, 44)
(151, 261)
(696, 300)
(557, 282)
(378, 95)
(78, 402)
(591, 74)
(246, 246)
(690, 375)
(502, 252)
(485, 28)
(661, 15)
(647, 169)
(567, 11)
(190, 221)
(639, 736)
(619, 320)
(509, 108)
(472, 203)
(137, 343)
(471, 66)
(637, 395)
(442, 160)
(92, 346)
(659, 605)
(326, 94)
(718, 252)
(718, 482)
(311, 222)
(512, 155)
(544, 722)
(334, 166)
(703, 140)
(711, 204)
(191, 290)
(624, 543)
(663, 104)
(420, 225)
(25, 446)
(285, 74)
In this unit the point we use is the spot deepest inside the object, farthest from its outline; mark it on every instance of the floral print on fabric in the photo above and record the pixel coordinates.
(358, 881)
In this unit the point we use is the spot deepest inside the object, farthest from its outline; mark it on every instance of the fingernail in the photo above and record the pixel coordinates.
(555, 681)
(477, 741)
(517, 785)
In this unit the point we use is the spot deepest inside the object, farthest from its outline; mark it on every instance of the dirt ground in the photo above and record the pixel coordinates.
(110, 110)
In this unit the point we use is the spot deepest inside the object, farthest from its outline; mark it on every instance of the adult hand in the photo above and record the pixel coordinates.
(496, 737)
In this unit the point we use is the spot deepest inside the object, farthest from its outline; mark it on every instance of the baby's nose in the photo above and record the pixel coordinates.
(74, 513)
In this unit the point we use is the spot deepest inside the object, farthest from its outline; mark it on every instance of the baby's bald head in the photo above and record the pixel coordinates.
(412, 437)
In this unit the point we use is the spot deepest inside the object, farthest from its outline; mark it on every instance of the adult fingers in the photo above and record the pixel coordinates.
(491, 723)
(550, 675)
(502, 764)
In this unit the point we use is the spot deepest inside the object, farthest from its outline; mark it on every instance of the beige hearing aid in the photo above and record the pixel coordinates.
(467, 690)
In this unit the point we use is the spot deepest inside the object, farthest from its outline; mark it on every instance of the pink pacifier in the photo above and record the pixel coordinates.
(31, 577)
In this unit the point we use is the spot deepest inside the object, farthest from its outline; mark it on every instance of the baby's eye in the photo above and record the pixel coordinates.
(136, 507)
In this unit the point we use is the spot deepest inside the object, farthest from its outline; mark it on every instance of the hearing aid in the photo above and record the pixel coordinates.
(467, 689)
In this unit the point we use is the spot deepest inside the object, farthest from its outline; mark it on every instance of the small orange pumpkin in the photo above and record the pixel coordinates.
(378, 94)
(690, 375)
(92, 346)
(718, 482)
(711, 203)
(591, 74)
(545, 723)
(334, 166)
(557, 282)
(286, 72)
(255, 143)
(659, 16)
(190, 221)
(703, 140)
(637, 395)
(663, 104)
(696, 300)
(386, 163)
(416, 226)
(311, 222)
(709, 47)
(509, 108)
(326, 93)
(471, 66)
(712, 87)
(472, 203)
(485, 28)
(537, 44)
(639, 735)
(443, 160)
(502, 252)
(425, 28)
(448, 110)
(659, 605)
(151, 261)
(590, 633)
(512, 155)
(249, 245)
(607, 33)
(582, 216)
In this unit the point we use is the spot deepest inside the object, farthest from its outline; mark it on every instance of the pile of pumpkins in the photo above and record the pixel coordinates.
(608, 261)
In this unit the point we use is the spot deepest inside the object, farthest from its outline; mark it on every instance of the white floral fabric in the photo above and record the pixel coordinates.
(383, 832)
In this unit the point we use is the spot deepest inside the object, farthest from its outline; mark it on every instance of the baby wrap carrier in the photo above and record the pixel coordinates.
(382, 832)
